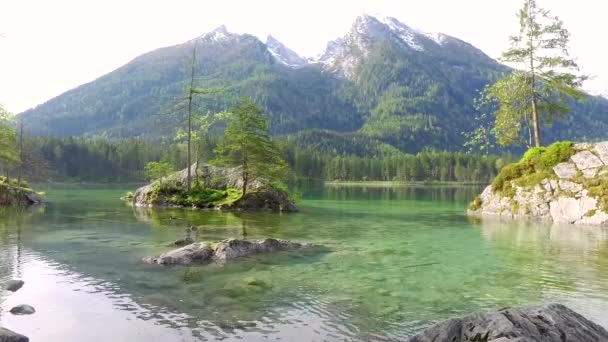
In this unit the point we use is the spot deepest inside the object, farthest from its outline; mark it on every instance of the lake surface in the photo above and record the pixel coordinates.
(397, 260)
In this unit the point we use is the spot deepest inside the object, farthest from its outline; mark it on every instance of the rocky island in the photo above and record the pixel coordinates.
(222, 251)
(561, 183)
(17, 194)
(214, 187)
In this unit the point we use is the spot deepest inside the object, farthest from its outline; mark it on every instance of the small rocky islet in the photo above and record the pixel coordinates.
(214, 188)
(222, 251)
(14, 193)
(563, 183)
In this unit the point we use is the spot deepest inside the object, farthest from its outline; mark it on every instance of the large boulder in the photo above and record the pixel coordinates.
(260, 194)
(574, 191)
(10, 336)
(221, 252)
(546, 323)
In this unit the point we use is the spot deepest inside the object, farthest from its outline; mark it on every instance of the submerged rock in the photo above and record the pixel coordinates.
(574, 191)
(11, 336)
(547, 323)
(14, 285)
(23, 310)
(223, 251)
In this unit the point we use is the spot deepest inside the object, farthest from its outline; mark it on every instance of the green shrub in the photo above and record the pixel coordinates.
(536, 164)
(476, 204)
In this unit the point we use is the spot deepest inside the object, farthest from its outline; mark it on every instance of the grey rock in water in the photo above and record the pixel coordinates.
(546, 323)
(14, 285)
(23, 310)
(223, 251)
(11, 336)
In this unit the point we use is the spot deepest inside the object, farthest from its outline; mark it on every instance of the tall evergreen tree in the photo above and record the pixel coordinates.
(248, 144)
(8, 140)
(545, 81)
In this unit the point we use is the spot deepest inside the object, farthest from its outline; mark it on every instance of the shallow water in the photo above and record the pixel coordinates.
(397, 259)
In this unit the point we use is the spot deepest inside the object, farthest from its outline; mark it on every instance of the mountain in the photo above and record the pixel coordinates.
(383, 86)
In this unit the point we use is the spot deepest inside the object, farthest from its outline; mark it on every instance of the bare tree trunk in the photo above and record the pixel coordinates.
(190, 98)
(245, 175)
(535, 114)
(21, 161)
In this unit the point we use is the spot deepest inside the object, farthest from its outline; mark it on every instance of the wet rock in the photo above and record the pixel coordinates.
(233, 248)
(194, 253)
(11, 336)
(223, 251)
(547, 323)
(23, 310)
(14, 285)
(586, 160)
(565, 170)
(183, 242)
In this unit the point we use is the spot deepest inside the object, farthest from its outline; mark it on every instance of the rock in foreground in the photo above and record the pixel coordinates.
(220, 189)
(547, 323)
(223, 251)
(14, 285)
(23, 310)
(563, 183)
(10, 336)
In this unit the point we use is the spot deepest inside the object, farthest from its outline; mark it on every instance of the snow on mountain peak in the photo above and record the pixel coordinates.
(283, 54)
(220, 34)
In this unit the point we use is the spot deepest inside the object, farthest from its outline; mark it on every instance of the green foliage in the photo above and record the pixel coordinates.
(541, 90)
(600, 192)
(129, 195)
(158, 170)
(476, 204)
(8, 139)
(545, 158)
(13, 182)
(173, 193)
(536, 164)
(247, 143)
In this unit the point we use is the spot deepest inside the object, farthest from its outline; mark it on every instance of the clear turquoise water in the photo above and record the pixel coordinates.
(397, 259)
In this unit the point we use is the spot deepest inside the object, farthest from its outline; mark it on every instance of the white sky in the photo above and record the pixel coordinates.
(51, 46)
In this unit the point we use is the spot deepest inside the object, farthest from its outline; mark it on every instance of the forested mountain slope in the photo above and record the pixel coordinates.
(381, 87)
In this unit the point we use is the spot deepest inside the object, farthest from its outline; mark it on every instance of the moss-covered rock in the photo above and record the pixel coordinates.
(564, 183)
(17, 194)
(213, 187)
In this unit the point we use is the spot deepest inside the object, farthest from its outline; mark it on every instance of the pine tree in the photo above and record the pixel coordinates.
(248, 144)
(545, 81)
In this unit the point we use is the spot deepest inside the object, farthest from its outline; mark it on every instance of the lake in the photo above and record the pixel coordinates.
(396, 259)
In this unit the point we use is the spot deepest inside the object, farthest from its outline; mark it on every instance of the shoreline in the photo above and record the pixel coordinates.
(393, 183)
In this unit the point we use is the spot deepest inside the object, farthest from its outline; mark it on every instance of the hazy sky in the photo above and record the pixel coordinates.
(53, 46)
